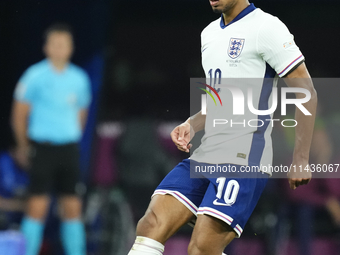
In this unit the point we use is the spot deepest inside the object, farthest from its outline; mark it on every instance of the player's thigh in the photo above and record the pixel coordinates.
(178, 183)
(163, 218)
(41, 173)
(174, 203)
(67, 181)
(210, 236)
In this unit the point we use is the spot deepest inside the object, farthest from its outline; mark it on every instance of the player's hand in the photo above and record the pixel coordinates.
(299, 174)
(333, 206)
(182, 135)
(21, 156)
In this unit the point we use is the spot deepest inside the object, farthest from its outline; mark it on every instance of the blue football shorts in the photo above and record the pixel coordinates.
(231, 199)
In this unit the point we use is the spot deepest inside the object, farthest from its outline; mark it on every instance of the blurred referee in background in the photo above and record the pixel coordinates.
(49, 112)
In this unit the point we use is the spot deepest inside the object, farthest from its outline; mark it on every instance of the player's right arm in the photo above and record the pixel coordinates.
(20, 113)
(24, 95)
(182, 134)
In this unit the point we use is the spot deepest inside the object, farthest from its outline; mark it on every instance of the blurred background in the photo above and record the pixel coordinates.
(140, 56)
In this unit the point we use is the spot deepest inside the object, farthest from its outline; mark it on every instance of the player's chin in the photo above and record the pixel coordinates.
(217, 10)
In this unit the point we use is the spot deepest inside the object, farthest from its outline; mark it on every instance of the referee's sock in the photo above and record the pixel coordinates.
(146, 246)
(73, 237)
(33, 231)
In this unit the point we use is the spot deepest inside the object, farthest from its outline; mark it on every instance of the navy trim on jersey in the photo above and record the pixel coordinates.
(301, 56)
(243, 13)
(258, 143)
(294, 68)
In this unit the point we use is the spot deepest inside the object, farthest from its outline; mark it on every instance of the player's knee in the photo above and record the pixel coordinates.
(37, 207)
(71, 207)
(149, 223)
(70, 213)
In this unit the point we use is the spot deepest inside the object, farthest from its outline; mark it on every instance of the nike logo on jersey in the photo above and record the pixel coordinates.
(218, 203)
(204, 49)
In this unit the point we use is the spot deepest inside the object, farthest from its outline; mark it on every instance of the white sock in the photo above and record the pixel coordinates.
(146, 246)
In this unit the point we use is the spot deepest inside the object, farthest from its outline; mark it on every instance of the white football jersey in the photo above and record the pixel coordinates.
(254, 46)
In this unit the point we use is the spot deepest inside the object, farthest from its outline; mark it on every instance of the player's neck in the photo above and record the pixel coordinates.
(58, 65)
(232, 13)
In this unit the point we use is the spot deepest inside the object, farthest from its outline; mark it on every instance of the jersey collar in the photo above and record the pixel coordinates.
(52, 68)
(243, 13)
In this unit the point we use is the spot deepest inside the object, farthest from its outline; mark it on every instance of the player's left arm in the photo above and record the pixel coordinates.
(85, 97)
(300, 78)
(83, 113)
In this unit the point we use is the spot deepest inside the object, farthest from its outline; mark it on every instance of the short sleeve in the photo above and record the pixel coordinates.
(26, 87)
(85, 92)
(277, 47)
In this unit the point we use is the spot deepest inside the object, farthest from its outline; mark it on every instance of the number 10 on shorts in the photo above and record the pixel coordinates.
(230, 193)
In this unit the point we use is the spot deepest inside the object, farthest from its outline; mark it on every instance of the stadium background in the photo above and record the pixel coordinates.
(140, 56)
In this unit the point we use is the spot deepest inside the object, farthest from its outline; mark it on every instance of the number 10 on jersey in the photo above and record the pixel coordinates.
(214, 78)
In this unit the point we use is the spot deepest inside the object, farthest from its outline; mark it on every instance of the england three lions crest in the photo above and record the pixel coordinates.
(235, 47)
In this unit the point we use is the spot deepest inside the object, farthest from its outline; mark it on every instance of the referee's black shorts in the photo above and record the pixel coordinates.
(54, 169)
